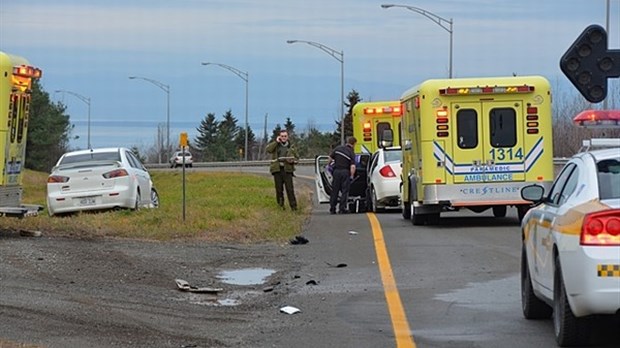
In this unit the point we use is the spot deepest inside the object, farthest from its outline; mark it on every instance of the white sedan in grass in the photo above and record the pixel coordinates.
(99, 179)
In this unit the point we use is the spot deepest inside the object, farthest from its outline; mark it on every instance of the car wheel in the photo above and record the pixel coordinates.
(521, 211)
(154, 198)
(532, 306)
(499, 211)
(375, 204)
(569, 330)
(138, 200)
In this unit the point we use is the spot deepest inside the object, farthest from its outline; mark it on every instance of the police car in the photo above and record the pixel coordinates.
(570, 260)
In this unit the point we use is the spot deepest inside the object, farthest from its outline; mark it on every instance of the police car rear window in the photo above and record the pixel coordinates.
(95, 156)
(609, 178)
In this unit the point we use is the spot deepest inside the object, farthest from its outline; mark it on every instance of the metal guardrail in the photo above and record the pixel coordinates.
(558, 161)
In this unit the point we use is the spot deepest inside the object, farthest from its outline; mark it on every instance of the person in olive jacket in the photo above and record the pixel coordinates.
(283, 159)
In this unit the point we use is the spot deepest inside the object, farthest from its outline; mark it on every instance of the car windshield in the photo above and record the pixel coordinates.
(92, 156)
(393, 155)
(609, 178)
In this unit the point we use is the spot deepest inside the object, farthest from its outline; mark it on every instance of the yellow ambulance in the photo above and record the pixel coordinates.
(16, 76)
(474, 143)
(370, 122)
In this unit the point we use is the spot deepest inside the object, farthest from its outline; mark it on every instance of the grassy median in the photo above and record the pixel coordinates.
(219, 207)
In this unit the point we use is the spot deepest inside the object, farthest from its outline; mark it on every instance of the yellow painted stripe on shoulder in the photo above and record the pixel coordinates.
(400, 324)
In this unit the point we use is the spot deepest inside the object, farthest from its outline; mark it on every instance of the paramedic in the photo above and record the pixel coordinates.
(344, 171)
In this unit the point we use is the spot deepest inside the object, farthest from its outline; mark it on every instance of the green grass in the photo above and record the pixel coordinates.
(223, 207)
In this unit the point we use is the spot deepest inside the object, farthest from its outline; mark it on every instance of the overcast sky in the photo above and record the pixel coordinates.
(92, 47)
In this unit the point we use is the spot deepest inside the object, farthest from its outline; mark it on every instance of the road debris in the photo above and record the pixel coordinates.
(340, 265)
(289, 310)
(299, 240)
(184, 286)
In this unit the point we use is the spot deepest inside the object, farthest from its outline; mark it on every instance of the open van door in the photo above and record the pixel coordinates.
(322, 179)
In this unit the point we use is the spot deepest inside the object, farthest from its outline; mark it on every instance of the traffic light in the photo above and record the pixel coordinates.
(588, 63)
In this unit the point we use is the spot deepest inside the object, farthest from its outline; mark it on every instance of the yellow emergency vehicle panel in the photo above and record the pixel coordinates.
(474, 142)
(15, 95)
(371, 119)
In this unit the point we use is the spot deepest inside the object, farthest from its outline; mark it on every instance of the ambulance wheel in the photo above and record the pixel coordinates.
(417, 219)
(406, 211)
(499, 211)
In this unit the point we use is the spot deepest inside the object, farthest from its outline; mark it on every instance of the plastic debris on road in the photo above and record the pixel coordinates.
(289, 310)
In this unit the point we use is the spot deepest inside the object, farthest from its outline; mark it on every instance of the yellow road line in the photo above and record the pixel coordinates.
(400, 324)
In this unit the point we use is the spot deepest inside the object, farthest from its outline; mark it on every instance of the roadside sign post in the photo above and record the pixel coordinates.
(183, 144)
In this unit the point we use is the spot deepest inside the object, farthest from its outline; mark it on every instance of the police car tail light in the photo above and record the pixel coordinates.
(116, 173)
(601, 228)
(598, 118)
(387, 172)
(56, 179)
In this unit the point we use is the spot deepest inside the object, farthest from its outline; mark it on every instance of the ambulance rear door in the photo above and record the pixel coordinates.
(487, 145)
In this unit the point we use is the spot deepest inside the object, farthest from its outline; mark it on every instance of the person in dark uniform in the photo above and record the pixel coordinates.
(344, 171)
(283, 159)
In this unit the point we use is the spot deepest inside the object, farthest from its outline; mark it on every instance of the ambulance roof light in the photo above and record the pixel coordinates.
(486, 90)
(598, 119)
(395, 110)
(27, 71)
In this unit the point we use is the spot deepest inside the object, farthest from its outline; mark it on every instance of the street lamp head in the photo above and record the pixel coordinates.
(205, 63)
(290, 41)
(386, 5)
(132, 77)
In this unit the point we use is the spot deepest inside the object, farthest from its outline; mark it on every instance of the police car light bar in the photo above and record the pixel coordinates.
(598, 119)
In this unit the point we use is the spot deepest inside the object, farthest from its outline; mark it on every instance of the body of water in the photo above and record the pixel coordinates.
(143, 134)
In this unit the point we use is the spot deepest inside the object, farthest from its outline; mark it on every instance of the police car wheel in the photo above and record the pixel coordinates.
(532, 306)
(569, 330)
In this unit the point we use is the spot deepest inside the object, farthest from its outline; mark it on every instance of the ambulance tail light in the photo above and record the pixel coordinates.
(601, 228)
(598, 118)
(442, 121)
(387, 172)
(532, 118)
(367, 131)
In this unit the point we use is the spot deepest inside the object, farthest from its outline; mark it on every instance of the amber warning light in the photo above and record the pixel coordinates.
(394, 110)
(598, 119)
(27, 71)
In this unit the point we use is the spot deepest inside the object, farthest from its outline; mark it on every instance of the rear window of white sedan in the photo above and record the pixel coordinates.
(609, 178)
(95, 156)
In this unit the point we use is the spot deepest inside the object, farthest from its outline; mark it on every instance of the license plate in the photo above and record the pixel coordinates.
(87, 201)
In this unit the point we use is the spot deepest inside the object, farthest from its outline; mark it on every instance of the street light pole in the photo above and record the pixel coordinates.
(85, 100)
(433, 17)
(245, 77)
(165, 88)
(339, 56)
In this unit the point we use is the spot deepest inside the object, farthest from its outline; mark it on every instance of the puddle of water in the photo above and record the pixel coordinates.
(246, 276)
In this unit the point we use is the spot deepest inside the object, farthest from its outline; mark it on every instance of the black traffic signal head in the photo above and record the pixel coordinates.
(588, 63)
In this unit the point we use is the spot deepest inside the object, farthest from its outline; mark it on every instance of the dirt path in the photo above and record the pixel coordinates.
(60, 292)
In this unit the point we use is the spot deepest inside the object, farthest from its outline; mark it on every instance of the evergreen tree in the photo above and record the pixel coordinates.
(352, 98)
(225, 147)
(49, 130)
(207, 134)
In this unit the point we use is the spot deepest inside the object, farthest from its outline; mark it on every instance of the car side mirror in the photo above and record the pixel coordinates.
(533, 193)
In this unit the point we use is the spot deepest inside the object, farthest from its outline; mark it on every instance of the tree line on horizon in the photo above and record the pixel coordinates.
(50, 128)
